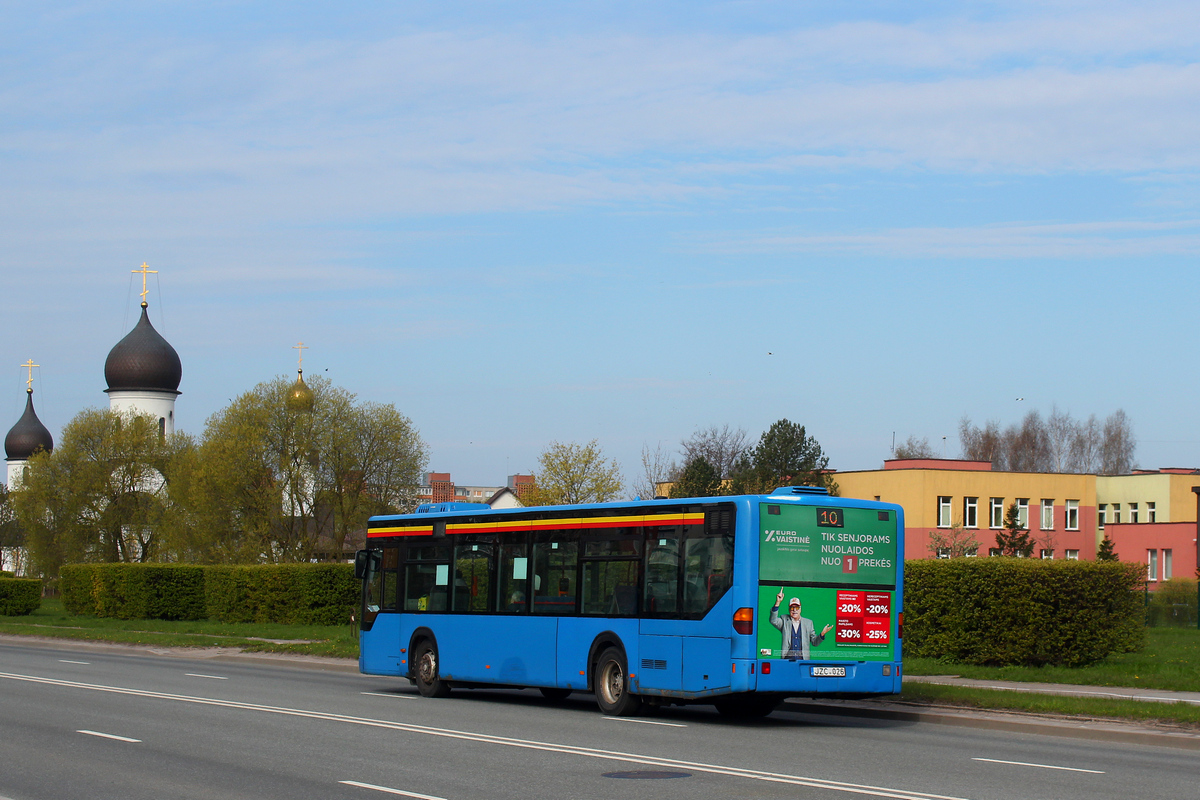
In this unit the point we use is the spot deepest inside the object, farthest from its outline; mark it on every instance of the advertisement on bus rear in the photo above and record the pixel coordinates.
(850, 556)
(807, 622)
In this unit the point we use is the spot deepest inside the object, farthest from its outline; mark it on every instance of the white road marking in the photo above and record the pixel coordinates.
(66, 661)
(210, 677)
(385, 694)
(484, 738)
(391, 791)
(1043, 766)
(647, 722)
(109, 736)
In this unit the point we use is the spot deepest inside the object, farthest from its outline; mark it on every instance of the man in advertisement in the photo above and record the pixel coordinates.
(798, 632)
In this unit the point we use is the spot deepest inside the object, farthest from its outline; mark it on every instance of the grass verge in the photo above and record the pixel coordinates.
(996, 699)
(1170, 660)
(339, 641)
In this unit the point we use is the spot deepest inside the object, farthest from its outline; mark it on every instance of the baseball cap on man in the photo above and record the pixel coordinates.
(795, 601)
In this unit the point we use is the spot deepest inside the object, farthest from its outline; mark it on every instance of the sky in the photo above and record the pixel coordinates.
(523, 223)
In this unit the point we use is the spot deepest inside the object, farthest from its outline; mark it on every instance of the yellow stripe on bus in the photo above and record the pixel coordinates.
(571, 523)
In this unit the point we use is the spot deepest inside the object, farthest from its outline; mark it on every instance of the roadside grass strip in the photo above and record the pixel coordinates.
(934, 694)
(482, 738)
(1170, 661)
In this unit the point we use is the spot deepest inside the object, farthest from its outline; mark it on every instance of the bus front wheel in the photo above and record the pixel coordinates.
(612, 685)
(425, 667)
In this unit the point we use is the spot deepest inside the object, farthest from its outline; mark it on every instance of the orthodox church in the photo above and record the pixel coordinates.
(143, 372)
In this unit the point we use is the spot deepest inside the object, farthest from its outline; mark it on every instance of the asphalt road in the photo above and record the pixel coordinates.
(94, 725)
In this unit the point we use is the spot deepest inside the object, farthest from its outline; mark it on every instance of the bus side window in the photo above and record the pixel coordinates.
(391, 579)
(473, 578)
(555, 557)
(427, 578)
(662, 570)
(514, 577)
(611, 559)
(707, 566)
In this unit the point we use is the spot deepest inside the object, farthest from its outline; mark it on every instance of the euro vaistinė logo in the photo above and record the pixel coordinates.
(784, 537)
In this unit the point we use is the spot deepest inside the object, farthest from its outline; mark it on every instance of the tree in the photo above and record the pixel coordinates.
(785, 455)
(721, 447)
(1119, 445)
(1058, 444)
(697, 479)
(277, 481)
(913, 447)
(1105, 551)
(103, 493)
(1014, 539)
(573, 473)
(657, 468)
(981, 444)
(953, 542)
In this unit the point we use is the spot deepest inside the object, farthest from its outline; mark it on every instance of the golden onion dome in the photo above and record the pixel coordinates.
(300, 397)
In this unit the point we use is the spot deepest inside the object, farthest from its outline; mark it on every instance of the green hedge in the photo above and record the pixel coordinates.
(19, 596)
(134, 591)
(1000, 611)
(301, 594)
(1173, 604)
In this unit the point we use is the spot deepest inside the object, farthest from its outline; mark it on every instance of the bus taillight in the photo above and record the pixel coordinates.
(743, 620)
(900, 626)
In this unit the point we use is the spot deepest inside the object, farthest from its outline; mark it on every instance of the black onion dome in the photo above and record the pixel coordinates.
(28, 436)
(143, 360)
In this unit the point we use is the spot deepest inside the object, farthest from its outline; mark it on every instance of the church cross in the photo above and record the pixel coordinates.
(29, 382)
(144, 271)
(301, 346)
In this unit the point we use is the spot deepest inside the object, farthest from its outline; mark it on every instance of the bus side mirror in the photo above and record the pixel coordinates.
(366, 564)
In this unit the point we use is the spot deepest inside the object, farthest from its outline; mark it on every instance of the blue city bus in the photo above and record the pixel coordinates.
(734, 601)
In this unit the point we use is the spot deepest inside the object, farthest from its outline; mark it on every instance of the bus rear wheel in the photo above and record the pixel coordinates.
(425, 668)
(612, 685)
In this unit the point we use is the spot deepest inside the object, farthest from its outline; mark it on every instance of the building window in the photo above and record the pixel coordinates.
(993, 551)
(943, 552)
(997, 512)
(1023, 512)
(1117, 513)
(943, 512)
(1166, 565)
(1101, 515)
(1133, 512)
(970, 512)
(1152, 565)
(1072, 515)
(1047, 554)
(1150, 512)
(1072, 555)
(1047, 515)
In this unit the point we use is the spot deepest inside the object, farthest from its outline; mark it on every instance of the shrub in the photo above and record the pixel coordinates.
(302, 594)
(1173, 603)
(134, 591)
(19, 596)
(78, 586)
(999, 611)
